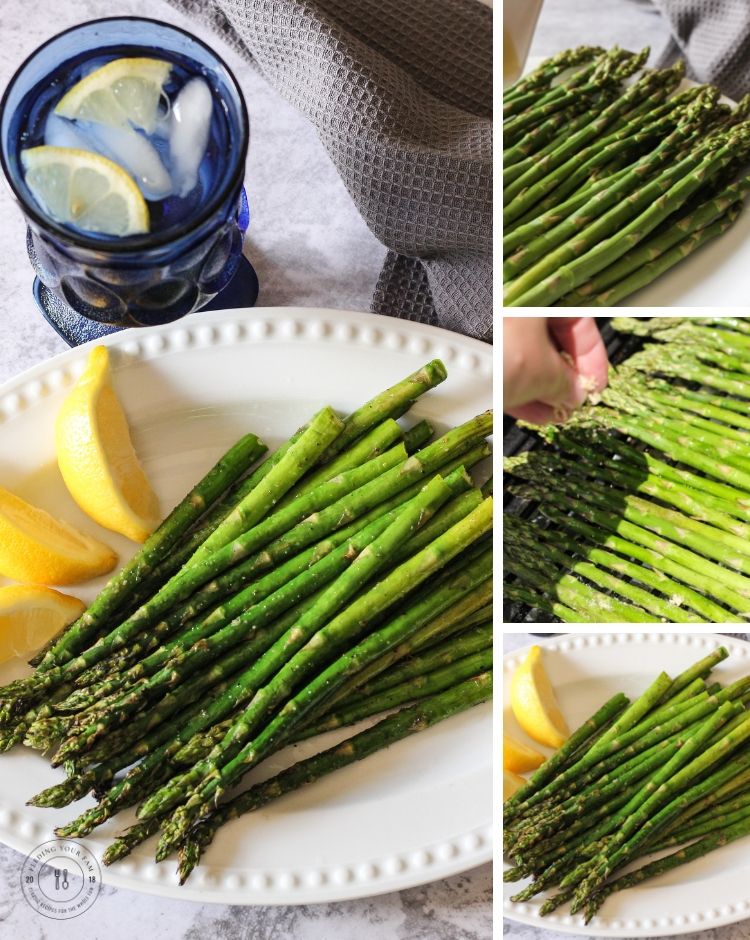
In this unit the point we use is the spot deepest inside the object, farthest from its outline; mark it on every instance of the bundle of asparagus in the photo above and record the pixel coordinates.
(606, 187)
(647, 493)
(346, 575)
(672, 768)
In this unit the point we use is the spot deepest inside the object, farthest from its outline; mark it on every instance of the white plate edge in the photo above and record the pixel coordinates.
(631, 928)
(254, 325)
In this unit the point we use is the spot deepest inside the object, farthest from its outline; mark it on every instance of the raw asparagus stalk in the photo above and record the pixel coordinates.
(689, 222)
(573, 264)
(610, 530)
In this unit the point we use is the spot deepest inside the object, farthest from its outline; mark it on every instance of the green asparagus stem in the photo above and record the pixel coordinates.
(403, 723)
(226, 767)
(393, 400)
(323, 429)
(225, 472)
(688, 854)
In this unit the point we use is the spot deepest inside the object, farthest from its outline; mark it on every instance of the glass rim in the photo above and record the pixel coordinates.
(131, 243)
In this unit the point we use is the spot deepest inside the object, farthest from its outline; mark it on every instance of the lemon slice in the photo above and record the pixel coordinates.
(122, 91)
(96, 455)
(30, 616)
(77, 187)
(511, 783)
(34, 546)
(519, 757)
(532, 699)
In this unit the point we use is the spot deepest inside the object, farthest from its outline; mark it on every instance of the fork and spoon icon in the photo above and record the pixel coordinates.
(61, 874)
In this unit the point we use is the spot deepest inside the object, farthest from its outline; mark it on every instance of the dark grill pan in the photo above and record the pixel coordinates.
(516, 440)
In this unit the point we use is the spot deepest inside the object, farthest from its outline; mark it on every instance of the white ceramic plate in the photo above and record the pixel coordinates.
(419, 811)
(713, 276)
(587, 670)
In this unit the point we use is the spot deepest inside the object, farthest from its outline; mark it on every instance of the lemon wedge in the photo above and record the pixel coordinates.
(96, 455)
(519, 757)
(532, 699)
(122, 91)
(511, 783)
(36, 547)
(31, 615)
(77, 187)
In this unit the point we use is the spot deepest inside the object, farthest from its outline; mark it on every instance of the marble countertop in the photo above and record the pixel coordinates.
(631, 24)
(311, 248)
(515, 931)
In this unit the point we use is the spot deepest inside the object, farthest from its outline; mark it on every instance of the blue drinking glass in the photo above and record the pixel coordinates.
(138, 280)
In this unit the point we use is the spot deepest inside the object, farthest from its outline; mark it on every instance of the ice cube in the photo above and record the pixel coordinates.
(189, 127)
(134, 153)
(58, 132)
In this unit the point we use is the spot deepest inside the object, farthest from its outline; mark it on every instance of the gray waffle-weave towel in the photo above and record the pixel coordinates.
(400, 93)
(714, 38)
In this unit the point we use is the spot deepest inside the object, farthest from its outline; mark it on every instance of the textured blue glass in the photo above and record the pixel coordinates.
(140, 280)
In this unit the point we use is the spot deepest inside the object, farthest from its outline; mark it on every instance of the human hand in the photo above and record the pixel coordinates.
(540, 384)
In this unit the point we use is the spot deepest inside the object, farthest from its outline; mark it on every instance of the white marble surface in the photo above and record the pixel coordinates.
(311, 248)
(515, 931)
(631, 24)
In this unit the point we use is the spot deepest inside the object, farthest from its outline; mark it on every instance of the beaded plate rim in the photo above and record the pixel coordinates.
(647, 927)
(212, 883)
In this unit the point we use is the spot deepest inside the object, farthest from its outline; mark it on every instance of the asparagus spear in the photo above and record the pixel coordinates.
(689, 369)
(424, 684)
(681, 529)
(322, 430)
(334, 516)
(229, 583)
(522, 798)
(542, 75)
(614, 66)
(200, 745)
(468, 610)
(688, 854)
(376, 442)
(541, 541)
(516, 592)
(225, 472)
(649, 813)
(575, 262)
(235, 756)
(405, 722)
(646, 273)
(690, 221)
(393, 400)
(463, 580)
(615, 195)
(555, 166)
(443, 654)
(730, 588)
(587, 443)
(526, 230)
(363, 563)
(594, 605)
